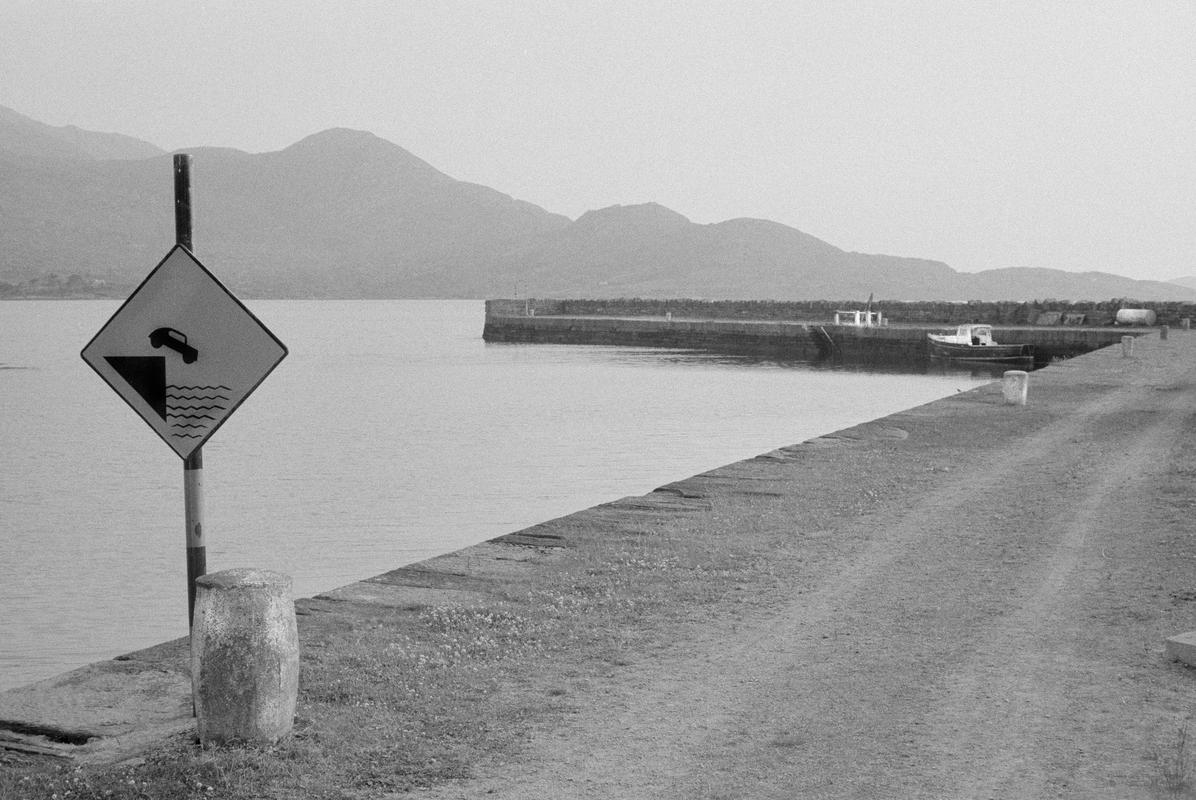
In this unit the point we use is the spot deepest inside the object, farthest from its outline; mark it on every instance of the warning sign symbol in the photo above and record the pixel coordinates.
(183, 352)
(189, 409)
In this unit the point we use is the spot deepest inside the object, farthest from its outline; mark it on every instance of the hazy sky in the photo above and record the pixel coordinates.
(983, 134)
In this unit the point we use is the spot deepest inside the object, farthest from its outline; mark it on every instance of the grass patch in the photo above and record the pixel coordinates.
(393, 699)
(1175, 778)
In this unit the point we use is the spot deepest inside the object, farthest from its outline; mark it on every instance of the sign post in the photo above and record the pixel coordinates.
(184, 353)
(197, 550)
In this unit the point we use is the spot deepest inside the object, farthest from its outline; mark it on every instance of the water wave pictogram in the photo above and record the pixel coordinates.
(192, 411)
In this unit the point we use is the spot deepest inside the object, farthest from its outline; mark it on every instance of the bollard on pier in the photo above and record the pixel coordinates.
(244, 656)
(1016, 387)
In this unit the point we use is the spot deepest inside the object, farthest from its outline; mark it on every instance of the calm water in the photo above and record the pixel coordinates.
(390, 434)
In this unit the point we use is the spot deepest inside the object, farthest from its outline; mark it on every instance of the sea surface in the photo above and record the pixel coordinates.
(391, 433)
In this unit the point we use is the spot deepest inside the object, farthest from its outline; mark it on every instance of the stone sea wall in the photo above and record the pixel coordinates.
(1044, 312)
(882, 346)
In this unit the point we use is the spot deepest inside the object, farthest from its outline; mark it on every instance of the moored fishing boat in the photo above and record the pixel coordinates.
(975, 343)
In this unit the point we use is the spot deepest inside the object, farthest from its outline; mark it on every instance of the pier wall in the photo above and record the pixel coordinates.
(1038, 312)
(511, 321)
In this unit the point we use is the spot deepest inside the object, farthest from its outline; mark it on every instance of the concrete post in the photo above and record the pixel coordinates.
(1163, 331)
(244, 656)
(1186, 323)
(1016, 386)
(1127, 346)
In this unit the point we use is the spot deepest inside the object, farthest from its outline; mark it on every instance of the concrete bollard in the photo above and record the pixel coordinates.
(1186, 323)
(1016, 387)
(244, 656)
(1163, 331)
(1127, 346)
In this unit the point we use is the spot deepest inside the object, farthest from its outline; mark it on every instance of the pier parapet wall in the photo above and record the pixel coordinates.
(560, 322)
(934, 313)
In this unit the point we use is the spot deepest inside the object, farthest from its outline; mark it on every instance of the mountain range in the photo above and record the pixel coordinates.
(343, 213)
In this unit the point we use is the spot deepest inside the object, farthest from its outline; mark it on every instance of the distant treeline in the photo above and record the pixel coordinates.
(55, 286)
(1036, 312)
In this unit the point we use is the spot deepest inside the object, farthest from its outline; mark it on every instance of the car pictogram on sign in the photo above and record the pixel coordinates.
(176, 341)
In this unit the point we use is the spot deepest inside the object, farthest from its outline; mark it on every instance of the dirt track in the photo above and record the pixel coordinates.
(971, 601)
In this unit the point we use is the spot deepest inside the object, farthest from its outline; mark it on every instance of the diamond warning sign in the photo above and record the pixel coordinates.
(183, 351)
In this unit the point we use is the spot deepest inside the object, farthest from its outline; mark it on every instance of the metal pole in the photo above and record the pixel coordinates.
(197, 551)
(182, 199)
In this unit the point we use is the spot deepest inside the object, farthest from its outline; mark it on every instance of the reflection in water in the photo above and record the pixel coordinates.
(660, 355)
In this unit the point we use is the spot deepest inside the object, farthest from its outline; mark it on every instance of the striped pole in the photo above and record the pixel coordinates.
(197, 551)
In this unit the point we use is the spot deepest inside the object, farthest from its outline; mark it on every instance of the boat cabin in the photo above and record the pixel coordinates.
(975, 335)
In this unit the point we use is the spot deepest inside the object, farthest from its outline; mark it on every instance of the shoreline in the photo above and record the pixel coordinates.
(72, 714)
(827, 529)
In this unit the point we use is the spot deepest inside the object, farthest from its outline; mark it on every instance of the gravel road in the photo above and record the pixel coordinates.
(971, 603)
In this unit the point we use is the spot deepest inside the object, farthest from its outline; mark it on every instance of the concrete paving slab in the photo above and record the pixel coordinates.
(105, 711)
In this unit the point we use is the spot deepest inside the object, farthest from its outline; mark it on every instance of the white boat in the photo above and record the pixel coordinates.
(975, 343)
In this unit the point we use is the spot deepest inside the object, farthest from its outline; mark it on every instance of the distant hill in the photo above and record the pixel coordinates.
(344, 213)
(1060, 285)
(339, 214)
(649, 251)
(1189, 281)
(22, 137)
